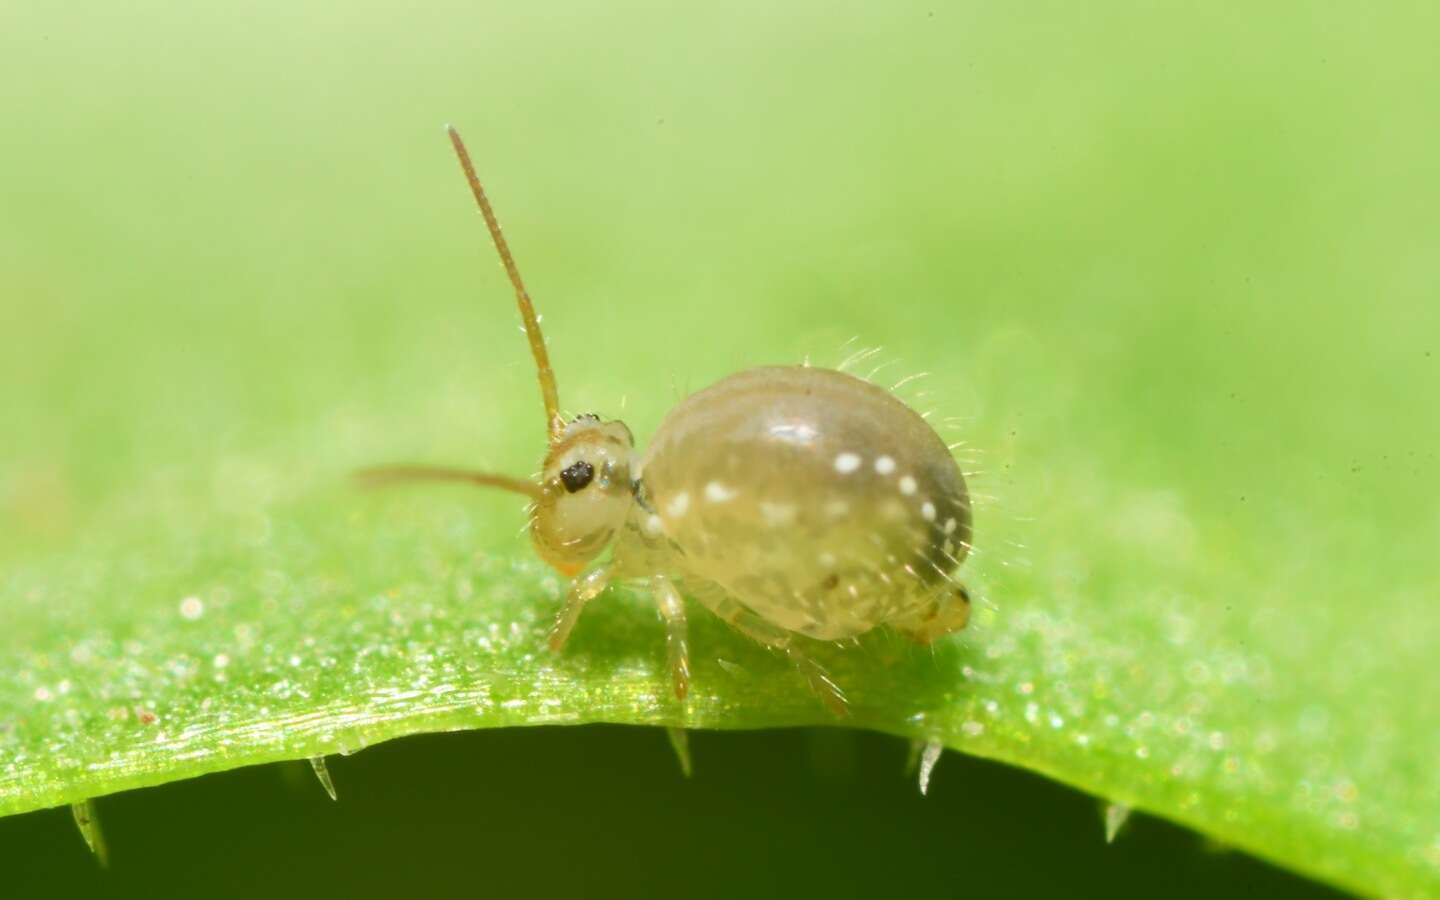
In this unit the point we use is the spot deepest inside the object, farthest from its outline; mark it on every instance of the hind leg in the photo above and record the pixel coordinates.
(778, 639)
(948, 611)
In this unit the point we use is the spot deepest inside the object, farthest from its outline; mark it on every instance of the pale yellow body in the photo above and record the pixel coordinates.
(810, 497)
(791, 501)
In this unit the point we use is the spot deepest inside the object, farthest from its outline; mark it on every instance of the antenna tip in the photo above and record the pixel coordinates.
(450, 130)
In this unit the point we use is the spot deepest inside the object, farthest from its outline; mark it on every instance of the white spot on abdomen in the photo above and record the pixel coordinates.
(678, 504)
(717, 492)
(802, 433)
(884, 465)
(653, 525)
(907, 485)
(846, 463)
(927, 509)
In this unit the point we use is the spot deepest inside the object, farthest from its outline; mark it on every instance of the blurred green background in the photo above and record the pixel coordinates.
(1173, 269)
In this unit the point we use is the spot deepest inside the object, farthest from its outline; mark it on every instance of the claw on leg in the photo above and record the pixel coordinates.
(582, 591)
(677, 648)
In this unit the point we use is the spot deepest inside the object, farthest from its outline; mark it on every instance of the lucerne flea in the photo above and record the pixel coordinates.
(794, 502)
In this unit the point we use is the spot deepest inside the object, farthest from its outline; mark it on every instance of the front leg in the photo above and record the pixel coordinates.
(582, 591)
(677, 649)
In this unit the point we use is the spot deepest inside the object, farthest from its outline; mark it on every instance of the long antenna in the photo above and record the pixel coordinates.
(379, 475)
(554, 424)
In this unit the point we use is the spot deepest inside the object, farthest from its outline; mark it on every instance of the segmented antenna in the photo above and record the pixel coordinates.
(376, 476)
(553, 423)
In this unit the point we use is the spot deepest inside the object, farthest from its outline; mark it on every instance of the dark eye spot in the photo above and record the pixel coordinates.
(587, 417)
(576, 475)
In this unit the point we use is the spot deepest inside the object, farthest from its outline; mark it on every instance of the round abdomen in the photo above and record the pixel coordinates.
(817, 500)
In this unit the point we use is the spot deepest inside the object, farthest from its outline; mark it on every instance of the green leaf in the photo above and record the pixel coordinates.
(1172, 276)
